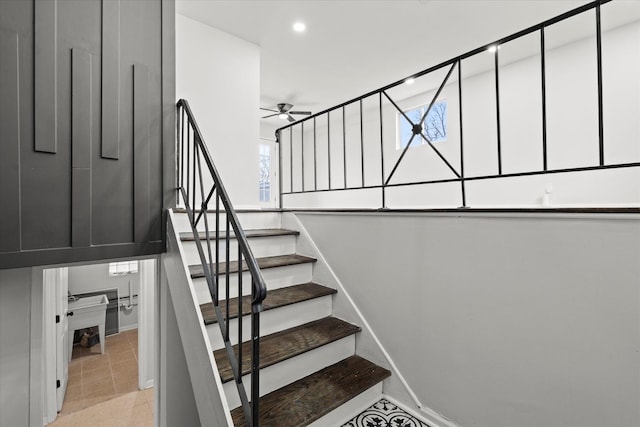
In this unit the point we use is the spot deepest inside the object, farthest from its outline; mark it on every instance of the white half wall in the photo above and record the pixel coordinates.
(219, 75)
(500, 320)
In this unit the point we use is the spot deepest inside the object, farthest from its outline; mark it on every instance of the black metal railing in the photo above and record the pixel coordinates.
(200, 185)
(380, 98)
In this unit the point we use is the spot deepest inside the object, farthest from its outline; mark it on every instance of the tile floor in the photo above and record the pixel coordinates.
(384, 414)
(95, 378)
(127, 410)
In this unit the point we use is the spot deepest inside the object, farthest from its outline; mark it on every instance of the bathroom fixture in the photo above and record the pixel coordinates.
(85, 313)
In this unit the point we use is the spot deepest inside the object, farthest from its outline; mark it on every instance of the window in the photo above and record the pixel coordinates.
(434, 126)
(122, 268)
(264, 183)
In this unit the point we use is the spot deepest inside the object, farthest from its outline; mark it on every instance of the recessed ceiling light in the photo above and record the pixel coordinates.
(409, 81)
(299, 27)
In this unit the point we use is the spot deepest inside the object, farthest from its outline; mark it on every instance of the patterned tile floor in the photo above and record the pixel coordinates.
(384, 414)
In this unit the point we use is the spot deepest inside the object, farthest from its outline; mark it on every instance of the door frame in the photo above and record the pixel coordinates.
(48, 284)
(147, 316)
(147, 335)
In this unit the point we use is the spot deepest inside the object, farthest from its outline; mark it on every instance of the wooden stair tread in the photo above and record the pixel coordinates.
(253, 233)
(304, 401)
(265, 262)
(286, 344)
(275, 298)
(182, 210)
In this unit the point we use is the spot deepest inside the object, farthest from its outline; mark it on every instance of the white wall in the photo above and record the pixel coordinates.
(95, 277)
(219, 75)
(500, 321)
(21, 362)
(572, 132)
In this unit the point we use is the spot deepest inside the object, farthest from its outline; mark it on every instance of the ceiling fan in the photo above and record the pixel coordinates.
(284, 112)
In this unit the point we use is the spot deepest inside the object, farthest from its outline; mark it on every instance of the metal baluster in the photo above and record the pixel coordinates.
(315, 158)
(600, 108)
(180, 137)
(344, 146)
(497, 75)
(239, 310)
(206, 230)
(217, 247)
(361, 144)
(227, 298)
(462, 182)
(329, 146)
(255, 362)
(384, 201)
(279, 147)
(302, 152)
(291, 159)
(186, 202)
(193, 193)
(543, 80)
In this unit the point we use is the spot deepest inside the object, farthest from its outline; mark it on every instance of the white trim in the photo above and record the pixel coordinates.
(129, 328)
(428, 412)
(146, 304)
(49, 408)
(492, 215)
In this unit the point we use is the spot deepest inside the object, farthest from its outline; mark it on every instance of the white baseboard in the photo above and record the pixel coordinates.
(128, 328)
(149, 384)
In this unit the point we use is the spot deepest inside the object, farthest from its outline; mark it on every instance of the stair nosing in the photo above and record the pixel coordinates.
(187, 236)
(349, 330)
(265, 305)
(197, 271)
(381, 375)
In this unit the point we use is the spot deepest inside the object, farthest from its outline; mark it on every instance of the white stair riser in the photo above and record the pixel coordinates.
(248, 220)
(275, 278)
(275, 320)
(261, 247)
(350, 409)
(291, 370)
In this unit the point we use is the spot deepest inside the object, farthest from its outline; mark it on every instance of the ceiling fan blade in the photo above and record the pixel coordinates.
(284, 107)
(269, 109)
(304, 113)
(290, 118)
(270, 115)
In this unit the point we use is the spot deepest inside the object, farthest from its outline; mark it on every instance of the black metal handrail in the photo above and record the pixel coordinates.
(458, 174)
(192, 151)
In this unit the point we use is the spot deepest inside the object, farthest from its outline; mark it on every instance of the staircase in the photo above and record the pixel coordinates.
(310, 373)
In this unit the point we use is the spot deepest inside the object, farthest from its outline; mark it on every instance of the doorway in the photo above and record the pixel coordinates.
(85, 373)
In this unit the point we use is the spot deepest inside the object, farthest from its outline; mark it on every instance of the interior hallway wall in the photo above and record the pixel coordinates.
(219, 75)
(500, 321)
